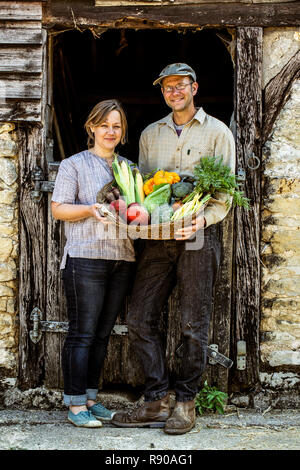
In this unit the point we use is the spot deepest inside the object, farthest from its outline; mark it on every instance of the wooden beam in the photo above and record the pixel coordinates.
(32, 260)
(246, 285)
(277, 92)
(80, 14)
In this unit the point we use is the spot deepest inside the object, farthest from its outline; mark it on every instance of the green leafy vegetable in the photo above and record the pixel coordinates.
(213, 176)
(158, 197)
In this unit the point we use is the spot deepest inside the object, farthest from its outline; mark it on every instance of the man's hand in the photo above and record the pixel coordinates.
(186, 232)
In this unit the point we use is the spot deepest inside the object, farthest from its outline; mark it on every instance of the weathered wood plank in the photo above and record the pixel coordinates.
(220, 330)
(246, 287)
(20, 34)
(20, 10)
(62, 14)
(277, 92)
(20, 87)
(32, 260)
(21, 59)
(55, 301)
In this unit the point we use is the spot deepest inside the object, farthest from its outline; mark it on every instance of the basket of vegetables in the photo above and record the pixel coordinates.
(156, 205)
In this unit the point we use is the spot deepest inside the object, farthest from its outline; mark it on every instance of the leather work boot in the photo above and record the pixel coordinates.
(182, 419)
(152, 414)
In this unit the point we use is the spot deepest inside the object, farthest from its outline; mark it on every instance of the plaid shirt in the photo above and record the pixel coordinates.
(204, 135)
(78, 181)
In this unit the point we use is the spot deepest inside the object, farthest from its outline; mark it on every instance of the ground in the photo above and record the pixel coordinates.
(236, 430)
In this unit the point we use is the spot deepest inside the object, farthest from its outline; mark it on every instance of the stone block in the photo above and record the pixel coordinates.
(6, 291)
(8, 148)
(8, 196)
(7, 229)
(282, 358)
(6, 215)
(8, 271)
(7, 357)
(6, 246)
(8, 172)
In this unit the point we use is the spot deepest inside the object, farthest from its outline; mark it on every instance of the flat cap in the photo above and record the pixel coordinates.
(176, 69)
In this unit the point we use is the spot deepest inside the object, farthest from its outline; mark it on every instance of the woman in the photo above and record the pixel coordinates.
(96, 266)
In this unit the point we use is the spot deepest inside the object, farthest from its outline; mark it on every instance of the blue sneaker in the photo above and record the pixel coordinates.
(84, 419)
(100, 412)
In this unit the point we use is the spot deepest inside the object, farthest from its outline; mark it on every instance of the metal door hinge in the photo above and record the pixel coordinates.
(40, 326)
(40, 186)
(241, 355)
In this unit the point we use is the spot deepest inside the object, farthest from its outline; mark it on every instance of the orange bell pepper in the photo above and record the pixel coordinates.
(148, 186)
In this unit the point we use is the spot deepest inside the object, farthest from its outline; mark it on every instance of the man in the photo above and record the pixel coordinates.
(176, 143)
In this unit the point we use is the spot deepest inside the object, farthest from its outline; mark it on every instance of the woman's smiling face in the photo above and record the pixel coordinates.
(108, 134)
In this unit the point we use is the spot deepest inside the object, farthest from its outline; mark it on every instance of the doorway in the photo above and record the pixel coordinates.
(123, 64)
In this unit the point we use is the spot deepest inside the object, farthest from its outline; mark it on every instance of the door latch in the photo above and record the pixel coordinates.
(213, 354)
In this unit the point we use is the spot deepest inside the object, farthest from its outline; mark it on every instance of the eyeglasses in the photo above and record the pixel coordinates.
(179, 87)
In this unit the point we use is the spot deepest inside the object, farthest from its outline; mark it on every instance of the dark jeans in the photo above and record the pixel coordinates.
(160, 266)
(95, 290)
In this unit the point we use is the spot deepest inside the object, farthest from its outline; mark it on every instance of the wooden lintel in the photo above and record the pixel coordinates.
(80, 14)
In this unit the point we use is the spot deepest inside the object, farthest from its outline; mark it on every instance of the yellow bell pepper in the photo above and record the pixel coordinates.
(162, 177)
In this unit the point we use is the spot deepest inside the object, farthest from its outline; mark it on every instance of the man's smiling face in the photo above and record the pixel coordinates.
(179, 99)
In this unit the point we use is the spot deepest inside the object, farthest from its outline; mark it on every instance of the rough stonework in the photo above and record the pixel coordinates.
(8, 246)
(279, 46)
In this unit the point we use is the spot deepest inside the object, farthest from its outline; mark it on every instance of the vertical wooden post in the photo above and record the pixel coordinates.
(32, 261)
(246, 285)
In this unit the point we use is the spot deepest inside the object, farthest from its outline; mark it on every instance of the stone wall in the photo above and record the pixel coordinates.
(8, 248)
(280, 240)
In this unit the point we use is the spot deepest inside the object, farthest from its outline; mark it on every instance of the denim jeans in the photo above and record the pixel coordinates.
(161, 265)
(95, 290)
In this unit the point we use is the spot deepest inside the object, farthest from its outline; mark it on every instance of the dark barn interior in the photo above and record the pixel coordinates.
(123, 64)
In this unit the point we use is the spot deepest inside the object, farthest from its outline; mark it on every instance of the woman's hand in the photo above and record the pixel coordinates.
(94, 210)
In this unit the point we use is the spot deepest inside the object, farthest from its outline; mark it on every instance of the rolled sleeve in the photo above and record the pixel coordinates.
(217, 210)
(66, 184)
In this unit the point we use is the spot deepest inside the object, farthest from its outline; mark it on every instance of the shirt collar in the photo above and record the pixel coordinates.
(199, 116)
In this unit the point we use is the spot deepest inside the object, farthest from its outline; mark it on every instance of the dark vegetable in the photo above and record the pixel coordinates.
(182, 189)
(110, 196)
(116, 193)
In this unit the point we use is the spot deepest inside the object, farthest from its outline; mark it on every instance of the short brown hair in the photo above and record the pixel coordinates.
(99, 113)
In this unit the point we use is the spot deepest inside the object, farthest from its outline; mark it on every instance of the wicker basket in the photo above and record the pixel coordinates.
(163, 231)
